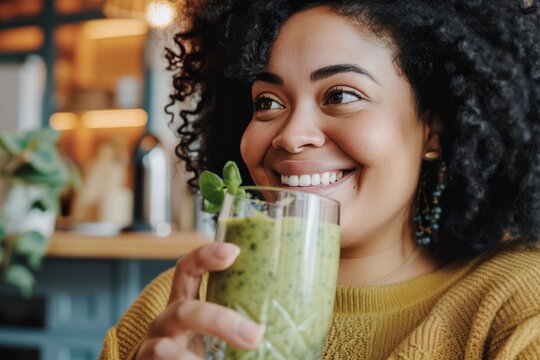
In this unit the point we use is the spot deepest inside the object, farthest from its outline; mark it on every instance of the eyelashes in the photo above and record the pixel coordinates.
(341, 95)
(337, 96)
(265, 103)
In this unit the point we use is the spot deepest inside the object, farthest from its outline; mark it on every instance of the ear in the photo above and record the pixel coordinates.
(432, 132)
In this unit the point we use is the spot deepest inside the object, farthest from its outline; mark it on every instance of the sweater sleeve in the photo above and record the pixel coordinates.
(123, 339)
(524, 342)
(516, 326)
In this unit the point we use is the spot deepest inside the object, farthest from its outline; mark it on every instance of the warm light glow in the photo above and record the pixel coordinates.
(21, 39)
(111, 28)
(63, 121)
(96, 119)
(20, 9)
(114, 118)
(159, 13)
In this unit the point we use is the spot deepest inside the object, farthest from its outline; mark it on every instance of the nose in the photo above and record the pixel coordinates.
(302, 130)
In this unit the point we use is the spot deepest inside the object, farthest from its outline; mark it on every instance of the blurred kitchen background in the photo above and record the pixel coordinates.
(95, 71)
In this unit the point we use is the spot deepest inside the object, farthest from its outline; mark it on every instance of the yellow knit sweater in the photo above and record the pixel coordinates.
(483, 308)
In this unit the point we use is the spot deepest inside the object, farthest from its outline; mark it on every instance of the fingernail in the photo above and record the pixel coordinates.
(225, 250)
(250, 332)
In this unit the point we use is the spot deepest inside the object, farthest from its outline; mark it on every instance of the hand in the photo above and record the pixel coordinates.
(185, 316)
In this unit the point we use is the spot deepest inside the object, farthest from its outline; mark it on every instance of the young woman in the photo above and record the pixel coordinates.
(422, 118)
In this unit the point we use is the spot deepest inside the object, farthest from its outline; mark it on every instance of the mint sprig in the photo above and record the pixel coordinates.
(213, 187)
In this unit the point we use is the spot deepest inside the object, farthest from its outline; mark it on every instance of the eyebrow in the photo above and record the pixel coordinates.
(319, 74)
(269, 78)
(331, 70)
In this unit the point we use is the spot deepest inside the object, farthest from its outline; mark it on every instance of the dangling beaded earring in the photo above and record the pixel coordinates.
(428, 209)
(528, 7)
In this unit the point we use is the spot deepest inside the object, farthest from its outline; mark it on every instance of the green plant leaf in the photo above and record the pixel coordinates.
(32, 159)
(31, 243)
(45, 160)
(211, 208)
(13, 143)
(21, 277)
(34, 261)
(47, 201)
(57, 179)
(232, 177)
(241, 193)
(45, 134)
(211, 187)
(40, 204)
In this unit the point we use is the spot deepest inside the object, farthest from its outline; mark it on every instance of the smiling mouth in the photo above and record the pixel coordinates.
(316, 179)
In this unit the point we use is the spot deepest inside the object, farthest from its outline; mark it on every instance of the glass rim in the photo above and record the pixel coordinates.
(291, 191)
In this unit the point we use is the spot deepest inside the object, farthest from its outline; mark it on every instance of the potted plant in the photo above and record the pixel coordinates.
(32, 178)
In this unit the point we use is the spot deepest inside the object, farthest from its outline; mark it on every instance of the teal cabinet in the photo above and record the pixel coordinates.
(74, 303)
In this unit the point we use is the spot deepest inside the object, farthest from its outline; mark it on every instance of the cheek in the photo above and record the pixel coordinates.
(368, 142)
(376, 138)
(253, 147)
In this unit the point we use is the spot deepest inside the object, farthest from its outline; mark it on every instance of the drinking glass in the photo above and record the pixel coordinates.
(285, 276)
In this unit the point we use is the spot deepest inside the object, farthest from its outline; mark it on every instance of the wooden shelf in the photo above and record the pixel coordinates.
(125, 245)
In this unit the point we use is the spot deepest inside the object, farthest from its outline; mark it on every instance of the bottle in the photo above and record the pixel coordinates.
(152, 184)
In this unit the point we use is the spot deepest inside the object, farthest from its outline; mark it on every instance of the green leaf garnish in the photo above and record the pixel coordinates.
(211, 208)
(213, 188)
(232, 177)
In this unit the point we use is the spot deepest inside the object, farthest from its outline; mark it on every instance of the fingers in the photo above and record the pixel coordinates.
(207, 319)
(164, 349)
(169, 334)
(190, 268)
(226, 324)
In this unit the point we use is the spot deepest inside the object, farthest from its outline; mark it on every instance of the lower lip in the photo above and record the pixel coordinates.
(321, 189)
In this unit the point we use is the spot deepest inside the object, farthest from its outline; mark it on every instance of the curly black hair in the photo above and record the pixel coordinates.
(475, 63)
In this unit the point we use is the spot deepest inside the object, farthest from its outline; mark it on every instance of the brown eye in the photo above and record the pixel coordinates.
(335, 98)
(341, 96)
(263, 103)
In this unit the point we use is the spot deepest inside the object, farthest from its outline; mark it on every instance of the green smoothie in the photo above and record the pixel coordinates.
(284, 278)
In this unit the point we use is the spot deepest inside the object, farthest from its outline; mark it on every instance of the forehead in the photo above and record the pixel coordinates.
(318, 37)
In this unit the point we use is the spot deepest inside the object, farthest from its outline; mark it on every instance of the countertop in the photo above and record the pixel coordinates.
(133, 245)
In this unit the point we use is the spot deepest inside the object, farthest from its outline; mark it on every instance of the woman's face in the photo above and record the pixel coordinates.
(334, 116)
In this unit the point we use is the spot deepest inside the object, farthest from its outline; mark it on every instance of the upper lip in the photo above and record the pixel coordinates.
(299, 167)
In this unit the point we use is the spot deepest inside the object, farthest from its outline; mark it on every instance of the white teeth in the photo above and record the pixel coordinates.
(333, 177)
(304, 180)
(325, 178)
(293, 180)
